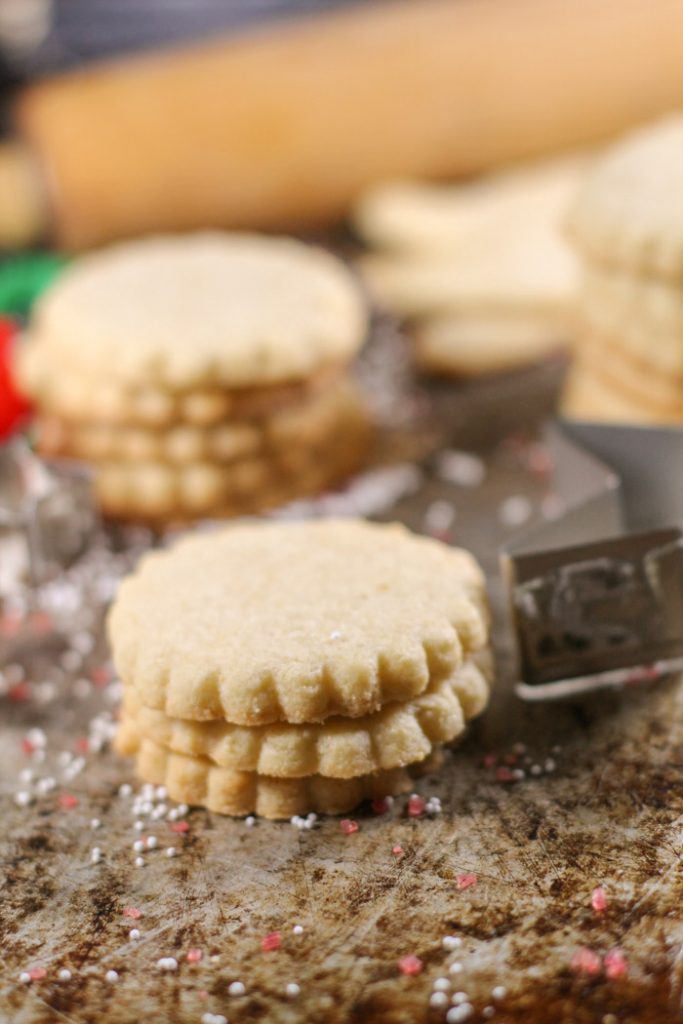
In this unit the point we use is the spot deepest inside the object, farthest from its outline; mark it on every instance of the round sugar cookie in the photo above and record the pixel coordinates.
(397, 735)
(198, 781)
(295, 621)
(629, 211)
(210, 309)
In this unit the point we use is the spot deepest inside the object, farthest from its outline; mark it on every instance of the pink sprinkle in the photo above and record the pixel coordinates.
(416, 806)
(67, 801)
(194, 956)
(37, 973)
(132, 912)
(397, 850)
(599, 899)
(586, 961)
(380, 806)
(348, 826)
(616, 964)
(27, 747)
(100, 675)
(271, 941)
(179, 826)
(504, 774)
(20, 692)
(490, 760)
(82, 745)
(9, 625)
(410, 964)
(465, 881)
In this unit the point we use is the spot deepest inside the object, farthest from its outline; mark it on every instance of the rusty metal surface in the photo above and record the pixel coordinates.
(605, 810)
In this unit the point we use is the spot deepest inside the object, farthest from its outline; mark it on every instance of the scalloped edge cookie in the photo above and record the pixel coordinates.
(295, 621)
(340, 748)
(197, 781)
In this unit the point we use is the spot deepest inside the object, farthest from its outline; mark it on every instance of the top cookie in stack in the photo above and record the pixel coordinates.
(282, 668)
(480, 271)
(201, 375)
(628, 226)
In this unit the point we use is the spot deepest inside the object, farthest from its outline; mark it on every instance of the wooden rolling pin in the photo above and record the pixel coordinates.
(282, 127)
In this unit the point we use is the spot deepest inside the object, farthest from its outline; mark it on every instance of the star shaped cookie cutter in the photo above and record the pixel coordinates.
(596, 595)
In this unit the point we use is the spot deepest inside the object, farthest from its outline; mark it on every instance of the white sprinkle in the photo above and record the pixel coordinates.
(550, 765)
(23, 798)
(236, 989)
(151, 842)
(439, 517)
(167, 963)
(64, 974)
(335, 635)
(25, 978)
(459, 998)
(36, 737)
(438, 1000)
(455, 968)
(182, 809)
(536, 770)
(158, 812)
(111, 976)
(214, 1018)
(125, 789)
(95, 855)
(139, 845)
(173, 814)
(488, 1012)
(95, 823)
(457, 1014)
(139, 862)
(134, 934)
(170, 851)
(138, 826)
(515, 510)
(46, 785)
(26, 776)
(462, 468)
(442, 985)
(250, 821)
(451, 942)
(298, 929)
(292, 990)
(499, 992)
(161, 792)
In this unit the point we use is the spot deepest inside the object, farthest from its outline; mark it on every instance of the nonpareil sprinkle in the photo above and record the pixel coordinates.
(410, 965)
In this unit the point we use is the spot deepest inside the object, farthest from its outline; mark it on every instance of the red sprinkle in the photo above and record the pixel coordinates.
(586, 961)
(271, 941)
(504, 774)
(599, 899)
(82, 745)
(397, 850)
(490, 760)
(132, 912)
(194, 955)
(100, 675)
(410, 964)
(37, 973)
(179, 826)
(27, 747)
(416, 806)
(348, 826)
(465, 881)
(616, 964)
(20, 692)
(380, 806)
(67, 801)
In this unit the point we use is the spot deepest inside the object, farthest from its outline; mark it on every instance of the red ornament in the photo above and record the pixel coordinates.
(14, 408)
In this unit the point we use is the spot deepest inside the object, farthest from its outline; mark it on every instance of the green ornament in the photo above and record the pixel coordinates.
(24, 277)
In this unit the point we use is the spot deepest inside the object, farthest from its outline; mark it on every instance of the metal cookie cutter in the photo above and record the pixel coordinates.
(596, 596)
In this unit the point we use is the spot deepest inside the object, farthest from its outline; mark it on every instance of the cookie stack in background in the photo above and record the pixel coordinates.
(201, 376)
(480, 272)
(628, 227)
(283, 668)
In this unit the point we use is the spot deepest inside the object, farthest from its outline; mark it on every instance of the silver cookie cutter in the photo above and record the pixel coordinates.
(596, 595)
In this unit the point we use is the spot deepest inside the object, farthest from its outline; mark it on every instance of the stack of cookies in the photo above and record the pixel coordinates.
(480, 272)
(203, 375)
(280, 668)
(628, 226)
